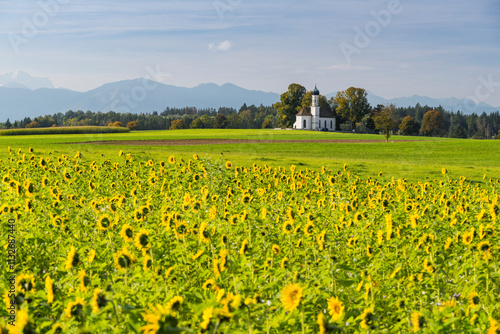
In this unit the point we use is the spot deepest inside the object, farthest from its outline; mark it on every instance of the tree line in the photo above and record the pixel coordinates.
(247, 117)
(353, 112)
(350, 107)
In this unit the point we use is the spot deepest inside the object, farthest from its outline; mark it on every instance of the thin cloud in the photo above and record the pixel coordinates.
(349, 67)
(222, 46)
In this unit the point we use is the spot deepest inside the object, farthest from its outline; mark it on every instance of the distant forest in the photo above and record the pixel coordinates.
(455, 124)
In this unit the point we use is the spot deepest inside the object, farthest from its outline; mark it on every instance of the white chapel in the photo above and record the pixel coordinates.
(314, 117)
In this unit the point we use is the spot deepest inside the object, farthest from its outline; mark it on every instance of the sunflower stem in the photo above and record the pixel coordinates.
(116, 313)
(302, 318)
(216, 327)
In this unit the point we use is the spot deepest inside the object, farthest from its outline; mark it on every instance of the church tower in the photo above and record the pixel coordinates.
(315, 109)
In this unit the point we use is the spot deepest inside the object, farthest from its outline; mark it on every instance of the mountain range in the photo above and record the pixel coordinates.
(22, 95)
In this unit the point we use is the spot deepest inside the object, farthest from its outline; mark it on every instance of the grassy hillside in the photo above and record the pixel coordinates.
(403, 157)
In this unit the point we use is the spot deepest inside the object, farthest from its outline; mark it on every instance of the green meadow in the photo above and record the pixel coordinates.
(413, 158)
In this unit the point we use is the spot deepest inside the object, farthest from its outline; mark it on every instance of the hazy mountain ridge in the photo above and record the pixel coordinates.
(24, 80)
(18, 101)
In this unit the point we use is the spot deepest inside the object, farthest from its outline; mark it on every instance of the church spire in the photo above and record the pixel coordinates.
(315, 91)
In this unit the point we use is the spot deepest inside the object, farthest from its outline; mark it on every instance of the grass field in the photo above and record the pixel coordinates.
(413, 158)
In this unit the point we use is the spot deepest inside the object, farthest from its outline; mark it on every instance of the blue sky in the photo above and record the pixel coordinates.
(435, 48)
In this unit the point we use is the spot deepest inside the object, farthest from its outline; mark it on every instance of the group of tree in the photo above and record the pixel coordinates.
(353, 112)
(247, 117)
(350, 107)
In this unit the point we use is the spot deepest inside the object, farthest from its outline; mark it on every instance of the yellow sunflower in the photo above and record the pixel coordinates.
(207, 317)
(198, 254)
(127, 233)
(50, 290)
(124, 259)
(25, 283)
(417, 321)
(72, 259)
(159, 320)
(494, 326)
(75, 308)
(142, 239)
(244, 247)
(98, 300)
(91, 255)
(210, 285)
(335, 308)
(474, 299)
(291, 296)
(322, 323)
(174, 305)
(147, 263)
(367, 319)
(284, 263)
(104, 223)
(84, 280)
(204, 234)
(287, 227)
(309, 229)
(369, 251)
(467, 237)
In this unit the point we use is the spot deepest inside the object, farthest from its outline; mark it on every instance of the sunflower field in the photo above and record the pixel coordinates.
(202, 246)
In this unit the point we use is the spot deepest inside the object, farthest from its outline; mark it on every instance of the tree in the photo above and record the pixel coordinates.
(432, 124)
(323, 101)
(177, 124)
(8, 124)
(267, 124)
(246, 119)
(290, 104)
(116, 124)
(33, 124)
(409, 127)
(197, 124)
(384, 120)
(220, 122)
(459, 133)
(208, 121)
(352, 104)
(133, 125)
(233, 121)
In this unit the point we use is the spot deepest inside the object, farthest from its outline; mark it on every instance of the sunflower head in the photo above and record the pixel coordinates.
(142, 239)
(124, 259)
(174, 305)
(159, 320)
(418, 321)
(127, 233)
(335, 308)
(474, 299)
(244, 247)
(368, 319)
(104, 223)
(75, 309)
(291, 296)
(98, 300)
(72, 258)
(25, 283)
